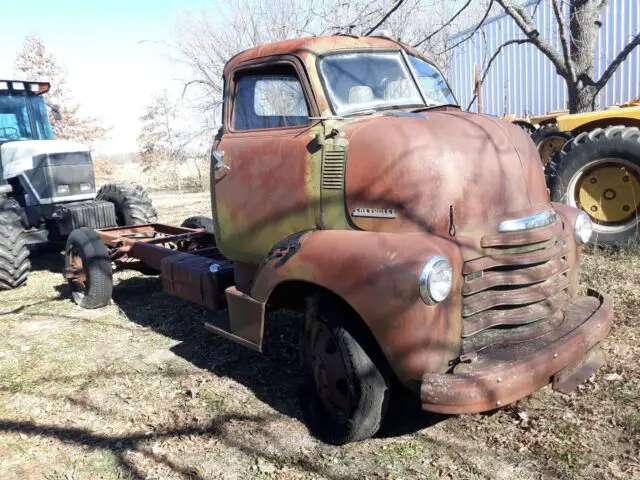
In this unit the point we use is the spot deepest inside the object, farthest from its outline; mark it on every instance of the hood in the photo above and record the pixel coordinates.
(437, 169)
(20, 156)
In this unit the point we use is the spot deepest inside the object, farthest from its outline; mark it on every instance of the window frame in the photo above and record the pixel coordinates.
(254, 67)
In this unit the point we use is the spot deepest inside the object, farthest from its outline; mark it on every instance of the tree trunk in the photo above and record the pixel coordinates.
(583, 98)
(583, 27)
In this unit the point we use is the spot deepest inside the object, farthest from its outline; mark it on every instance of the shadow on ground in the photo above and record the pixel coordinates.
(274, 376)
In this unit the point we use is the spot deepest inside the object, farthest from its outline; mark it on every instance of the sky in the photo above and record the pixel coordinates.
(114, 52)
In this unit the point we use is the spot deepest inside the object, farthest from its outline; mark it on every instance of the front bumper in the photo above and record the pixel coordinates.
(502, 374)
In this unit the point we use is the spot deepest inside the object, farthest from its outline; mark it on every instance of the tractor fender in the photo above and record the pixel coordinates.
(377, 274)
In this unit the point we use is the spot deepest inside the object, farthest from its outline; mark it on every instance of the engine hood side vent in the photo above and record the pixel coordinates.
(333, 167)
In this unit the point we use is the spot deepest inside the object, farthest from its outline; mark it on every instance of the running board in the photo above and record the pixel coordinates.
(243, 322)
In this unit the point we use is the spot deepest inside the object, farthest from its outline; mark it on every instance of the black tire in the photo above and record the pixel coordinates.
(14, 253)
(200, 221)
(132, 204)
(614, 146)
(87, 255)
(546, 134)
(366, 374)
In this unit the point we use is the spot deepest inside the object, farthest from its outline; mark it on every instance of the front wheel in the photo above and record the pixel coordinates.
(132, 204)
(599, 172)
(347, 380)
(88, 269)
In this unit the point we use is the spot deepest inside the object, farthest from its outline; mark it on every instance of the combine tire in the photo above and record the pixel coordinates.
(14, 254)
(88, 269)
(599, 172)
(347, 377)
(549, 141)
(132, 204)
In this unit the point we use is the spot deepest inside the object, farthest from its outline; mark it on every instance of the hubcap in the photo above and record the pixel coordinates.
(610, 193)
(549, 147)
(328, 370)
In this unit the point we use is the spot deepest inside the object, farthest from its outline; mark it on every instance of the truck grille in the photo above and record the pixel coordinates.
(516, 292)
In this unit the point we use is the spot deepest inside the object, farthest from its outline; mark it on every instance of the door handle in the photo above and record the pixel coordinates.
(218, 156)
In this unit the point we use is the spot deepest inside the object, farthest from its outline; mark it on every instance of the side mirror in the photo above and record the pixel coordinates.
(55, 111)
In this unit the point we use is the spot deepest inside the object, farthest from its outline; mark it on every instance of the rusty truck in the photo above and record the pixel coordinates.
(418, 240)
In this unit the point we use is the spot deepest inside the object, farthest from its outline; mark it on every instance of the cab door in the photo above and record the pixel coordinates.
(267, 174)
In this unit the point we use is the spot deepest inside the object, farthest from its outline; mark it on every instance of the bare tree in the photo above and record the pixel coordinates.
(35, 62)
(577, 33)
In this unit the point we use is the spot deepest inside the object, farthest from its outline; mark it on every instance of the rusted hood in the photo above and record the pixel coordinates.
(451, 173)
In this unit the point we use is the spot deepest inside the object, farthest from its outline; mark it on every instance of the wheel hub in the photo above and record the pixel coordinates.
(549, 147)
(75, 272)
(609, 193)
(328, 370)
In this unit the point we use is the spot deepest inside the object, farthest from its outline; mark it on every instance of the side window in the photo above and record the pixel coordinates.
(269, 100)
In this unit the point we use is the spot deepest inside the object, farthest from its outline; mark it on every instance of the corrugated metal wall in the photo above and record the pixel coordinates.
(523, 81)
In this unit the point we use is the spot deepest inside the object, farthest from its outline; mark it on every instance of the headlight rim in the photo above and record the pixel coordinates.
(582, 216)
(424, 286)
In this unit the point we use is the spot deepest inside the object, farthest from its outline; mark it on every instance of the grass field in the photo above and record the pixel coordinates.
(140, 390)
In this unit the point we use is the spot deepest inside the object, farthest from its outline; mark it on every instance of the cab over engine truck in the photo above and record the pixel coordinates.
(47, 186)
(418, 240)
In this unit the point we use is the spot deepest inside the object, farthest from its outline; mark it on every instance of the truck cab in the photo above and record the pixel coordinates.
(417, 239)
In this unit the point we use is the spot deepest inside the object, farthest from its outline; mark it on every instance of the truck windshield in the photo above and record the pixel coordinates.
(358, 82)
(24, 117)
(432, 82)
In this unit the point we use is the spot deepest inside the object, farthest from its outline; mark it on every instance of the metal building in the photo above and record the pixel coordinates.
(522, 80)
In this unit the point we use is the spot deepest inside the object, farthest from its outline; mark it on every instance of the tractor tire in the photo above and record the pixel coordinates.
(88, 269)
(14, 253)
(549, 141)
(599, 172)
(200, 221)
(347, 378)
(132, 204)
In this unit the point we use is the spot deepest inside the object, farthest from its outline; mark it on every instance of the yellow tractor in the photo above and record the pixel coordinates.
(592, 161)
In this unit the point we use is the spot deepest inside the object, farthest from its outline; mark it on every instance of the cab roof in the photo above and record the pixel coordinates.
(318, 46)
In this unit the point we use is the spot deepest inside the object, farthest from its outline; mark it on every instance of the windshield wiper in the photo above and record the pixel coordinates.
(431, 107)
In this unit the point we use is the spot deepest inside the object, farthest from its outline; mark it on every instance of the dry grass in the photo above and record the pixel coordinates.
(140, 390)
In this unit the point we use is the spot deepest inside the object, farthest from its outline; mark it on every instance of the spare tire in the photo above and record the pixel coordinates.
(599, 172)
(14, 253)
(132, 204)
(199, 221)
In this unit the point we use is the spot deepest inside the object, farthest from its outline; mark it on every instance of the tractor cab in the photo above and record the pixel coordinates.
(23, 111)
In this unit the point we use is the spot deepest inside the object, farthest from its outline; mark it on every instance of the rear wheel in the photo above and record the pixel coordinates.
(132, 204)
(14, 253)
(599, 172)
(88, 269)
(549, 140)
(347, 381)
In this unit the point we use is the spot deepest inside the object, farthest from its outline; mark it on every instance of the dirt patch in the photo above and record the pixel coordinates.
(140, 390)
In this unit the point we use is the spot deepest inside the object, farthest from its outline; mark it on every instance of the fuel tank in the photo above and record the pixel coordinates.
(449, 173)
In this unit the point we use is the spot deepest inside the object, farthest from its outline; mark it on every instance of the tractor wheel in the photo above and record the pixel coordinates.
(88, 269)
(14, 253)
(599, 172)
(132, 204)
(549, 141)
(347, 377)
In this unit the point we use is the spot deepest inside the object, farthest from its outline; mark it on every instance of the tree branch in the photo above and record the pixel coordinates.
(613, 66)
(384, 18)
(442, 27)
(518, 41)
(525, 23)
(564, 40)
(457, 44)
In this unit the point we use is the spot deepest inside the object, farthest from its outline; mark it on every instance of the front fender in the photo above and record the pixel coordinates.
(377, 275)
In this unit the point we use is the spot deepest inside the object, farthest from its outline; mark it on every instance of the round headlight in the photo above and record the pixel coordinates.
(436, 279)
(583, 228)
